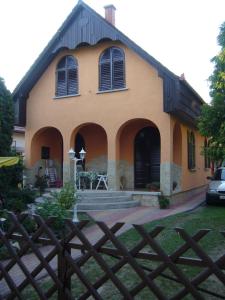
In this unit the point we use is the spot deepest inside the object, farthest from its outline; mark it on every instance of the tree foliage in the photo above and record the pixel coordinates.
(6, 120)
(212, 120)
(11, 176)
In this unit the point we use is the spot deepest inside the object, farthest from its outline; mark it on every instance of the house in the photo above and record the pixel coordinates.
(18, 143)
(94, 88)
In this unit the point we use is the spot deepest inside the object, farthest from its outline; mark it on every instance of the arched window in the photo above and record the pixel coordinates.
(67, 76)
(191, 150)
(112, 69)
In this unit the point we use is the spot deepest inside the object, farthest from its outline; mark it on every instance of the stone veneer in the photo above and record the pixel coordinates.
(32, 172)
(126, 174)
(147, 198)
(166, 178)
(113, 178)
(170, 173)
(99, 164)
(176, 178)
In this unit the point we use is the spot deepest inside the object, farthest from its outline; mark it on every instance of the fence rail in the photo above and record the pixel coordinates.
(73, 263)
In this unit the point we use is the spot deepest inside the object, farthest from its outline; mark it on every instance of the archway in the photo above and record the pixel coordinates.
(47, 151)
(93, 139)
(138, 165)
(147, 157)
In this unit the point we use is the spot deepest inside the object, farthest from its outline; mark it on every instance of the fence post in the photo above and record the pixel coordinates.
(63, 274)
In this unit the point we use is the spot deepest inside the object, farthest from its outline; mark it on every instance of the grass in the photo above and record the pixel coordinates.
(213, 243)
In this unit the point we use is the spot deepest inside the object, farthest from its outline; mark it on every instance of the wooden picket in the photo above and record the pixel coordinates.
(59, 258)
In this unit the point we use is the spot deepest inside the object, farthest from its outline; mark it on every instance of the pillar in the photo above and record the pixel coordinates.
(113, 165)
(166, 168)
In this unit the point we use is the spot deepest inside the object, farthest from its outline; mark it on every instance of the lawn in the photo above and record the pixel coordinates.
(213, 243)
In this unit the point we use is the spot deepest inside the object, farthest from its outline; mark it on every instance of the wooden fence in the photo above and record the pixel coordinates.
(79, 264)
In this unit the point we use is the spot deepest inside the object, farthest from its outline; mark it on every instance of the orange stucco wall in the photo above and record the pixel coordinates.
(48, 137)
(177, 144)
(127, 137)
(95, 141)
(191, 178)
(142, 99)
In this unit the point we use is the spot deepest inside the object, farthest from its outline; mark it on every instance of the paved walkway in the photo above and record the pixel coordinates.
(144, 214)
(137, 215)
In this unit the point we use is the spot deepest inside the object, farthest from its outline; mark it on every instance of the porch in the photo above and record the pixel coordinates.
(129, 159)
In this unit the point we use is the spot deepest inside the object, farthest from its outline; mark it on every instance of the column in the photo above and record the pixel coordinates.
(166, 167)
(113, 177)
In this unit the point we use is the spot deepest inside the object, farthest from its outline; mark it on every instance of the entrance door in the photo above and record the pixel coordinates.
(147, 157)
(79, 144)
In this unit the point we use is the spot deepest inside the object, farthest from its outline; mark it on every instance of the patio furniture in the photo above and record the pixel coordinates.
(86, 178)
(102, 178)
(51, 173)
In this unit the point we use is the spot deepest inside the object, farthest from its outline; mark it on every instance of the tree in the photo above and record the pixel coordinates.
(6, 120)
(9, 176)
(211, 123)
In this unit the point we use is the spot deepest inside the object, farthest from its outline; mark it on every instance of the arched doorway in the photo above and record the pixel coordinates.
(79, 145)
(47, 153)
(138, 145)
(93, 139)
(146, 157)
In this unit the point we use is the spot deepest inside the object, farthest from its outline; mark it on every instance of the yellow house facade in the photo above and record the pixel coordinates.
(93, 88)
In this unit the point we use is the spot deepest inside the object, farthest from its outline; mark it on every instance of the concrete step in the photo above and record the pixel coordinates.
(100, 200)
(107, 206)
(107, 199)
(94, 193)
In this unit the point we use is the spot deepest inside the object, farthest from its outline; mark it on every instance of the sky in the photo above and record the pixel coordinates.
(180, 34)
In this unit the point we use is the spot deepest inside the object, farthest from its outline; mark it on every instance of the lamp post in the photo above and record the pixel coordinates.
(72, 156)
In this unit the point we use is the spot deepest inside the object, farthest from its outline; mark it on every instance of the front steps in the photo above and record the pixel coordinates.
(105, 200)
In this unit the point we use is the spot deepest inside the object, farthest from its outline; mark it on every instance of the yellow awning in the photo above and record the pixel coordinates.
(8, 161)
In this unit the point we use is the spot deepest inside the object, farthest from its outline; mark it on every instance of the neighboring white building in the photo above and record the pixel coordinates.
(18, 139)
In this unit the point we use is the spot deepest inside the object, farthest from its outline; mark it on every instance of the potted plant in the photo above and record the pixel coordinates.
(153, 186)
(164, 202)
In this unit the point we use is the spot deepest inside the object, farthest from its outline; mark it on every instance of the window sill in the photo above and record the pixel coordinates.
(112, 91)
(192, 170)
(67, 96)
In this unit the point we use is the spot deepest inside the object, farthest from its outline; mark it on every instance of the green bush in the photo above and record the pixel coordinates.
(41, 183)
(16, 200)
(52, 208)
(164, 202)
(66, 197)
(10, 178)
(58, 206)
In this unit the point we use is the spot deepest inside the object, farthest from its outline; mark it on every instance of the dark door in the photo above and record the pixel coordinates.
(79, 144)
(147, 157)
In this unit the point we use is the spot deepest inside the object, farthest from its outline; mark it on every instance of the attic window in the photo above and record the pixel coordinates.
(112, 69)
(67, 77)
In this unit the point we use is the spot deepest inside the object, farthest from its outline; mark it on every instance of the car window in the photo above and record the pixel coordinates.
(219, 174)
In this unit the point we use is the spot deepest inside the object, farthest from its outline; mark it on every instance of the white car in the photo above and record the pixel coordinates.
(216, 189)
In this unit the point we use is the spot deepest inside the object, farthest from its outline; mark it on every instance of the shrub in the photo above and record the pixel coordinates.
(10, 177)
(58, 206)
(51, 208)
(40, 183)
(16, 200)
(164, 202)
(66, 198)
